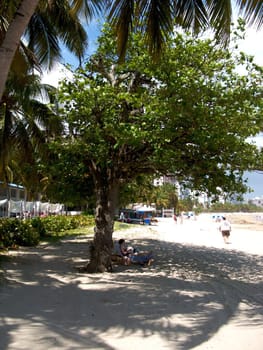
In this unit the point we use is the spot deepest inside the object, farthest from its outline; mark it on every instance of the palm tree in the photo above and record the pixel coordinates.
(43, 25)
(159, 17)
(25, 123)
(26, 127)
(13, 25)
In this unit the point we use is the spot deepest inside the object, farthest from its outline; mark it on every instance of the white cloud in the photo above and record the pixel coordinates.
(58, 73)
(257, 140)
(252, 44)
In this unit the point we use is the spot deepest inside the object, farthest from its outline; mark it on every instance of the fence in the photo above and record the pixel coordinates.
(20, 208)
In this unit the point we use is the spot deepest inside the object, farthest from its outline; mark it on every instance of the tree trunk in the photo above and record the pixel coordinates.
(101, 249)
(12, 38)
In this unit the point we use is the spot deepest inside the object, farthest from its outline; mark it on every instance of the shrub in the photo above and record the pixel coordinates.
(7, 231)
(55, 224)
(39, 226)
(16, 232)
(28, 233)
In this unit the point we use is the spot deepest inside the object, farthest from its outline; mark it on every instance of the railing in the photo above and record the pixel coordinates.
(24, 209)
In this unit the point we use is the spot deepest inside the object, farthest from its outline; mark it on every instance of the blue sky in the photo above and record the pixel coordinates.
(255, 180)
(93, 32)
(251, 45)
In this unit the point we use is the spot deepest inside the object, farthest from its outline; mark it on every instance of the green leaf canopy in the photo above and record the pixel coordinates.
(189, 115)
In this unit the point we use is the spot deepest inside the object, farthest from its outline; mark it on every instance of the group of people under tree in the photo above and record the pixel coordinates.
(130, 255)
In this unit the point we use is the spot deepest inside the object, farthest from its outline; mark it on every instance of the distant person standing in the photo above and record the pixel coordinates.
(182, 217)
(175, 218)
(225, 229)
(122, 217)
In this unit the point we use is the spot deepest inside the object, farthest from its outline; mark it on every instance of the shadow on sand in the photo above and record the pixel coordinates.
(184, 297)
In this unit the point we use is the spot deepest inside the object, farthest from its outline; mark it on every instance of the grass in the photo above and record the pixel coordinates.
(121, 226)
(81, 231)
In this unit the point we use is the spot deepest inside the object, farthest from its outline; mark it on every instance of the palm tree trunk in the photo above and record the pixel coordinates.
(13, 35)
(101, 249)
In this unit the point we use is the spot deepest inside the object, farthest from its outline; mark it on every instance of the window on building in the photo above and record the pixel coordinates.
(13, 193)
(21, 194)
(2, 192)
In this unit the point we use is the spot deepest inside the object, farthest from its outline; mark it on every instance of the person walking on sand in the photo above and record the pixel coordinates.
(225, 229)
(182, 217)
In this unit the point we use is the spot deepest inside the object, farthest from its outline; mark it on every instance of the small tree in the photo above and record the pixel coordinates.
(190, 115)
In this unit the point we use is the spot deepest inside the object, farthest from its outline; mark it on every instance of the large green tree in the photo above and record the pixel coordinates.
(190, 115)
(158, 17)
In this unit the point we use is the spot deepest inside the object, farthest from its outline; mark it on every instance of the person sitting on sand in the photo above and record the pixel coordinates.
(120, 248)
(121, 251)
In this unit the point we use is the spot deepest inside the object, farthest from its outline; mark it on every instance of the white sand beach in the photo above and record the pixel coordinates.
(200, 293)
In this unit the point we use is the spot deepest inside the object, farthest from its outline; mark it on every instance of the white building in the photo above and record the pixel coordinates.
(258, 201)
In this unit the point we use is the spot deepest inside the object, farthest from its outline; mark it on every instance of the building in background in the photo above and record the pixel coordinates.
(13, 203)
(258, 201)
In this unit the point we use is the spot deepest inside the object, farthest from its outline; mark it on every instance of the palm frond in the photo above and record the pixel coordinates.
(68, 25)
(121, 16)
(49, 122)
(88, 9)
(252, 11)
(8, 8)
(159, 23)
(191, 14)
(43, 40)
(156, 18)
(6, 141)
(220, 14)
(24, 61)
(53, 23)
(20, 89)
(28, 123)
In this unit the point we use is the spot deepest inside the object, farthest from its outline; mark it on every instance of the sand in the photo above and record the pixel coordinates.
(199, 293)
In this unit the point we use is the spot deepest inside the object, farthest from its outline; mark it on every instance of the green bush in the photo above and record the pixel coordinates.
(53, 225)
(16, 232)
(28, 233)
(7, 231)
(82, 220)
(39, 226)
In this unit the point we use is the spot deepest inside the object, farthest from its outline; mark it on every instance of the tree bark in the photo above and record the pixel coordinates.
(12, 38)
(101, 249)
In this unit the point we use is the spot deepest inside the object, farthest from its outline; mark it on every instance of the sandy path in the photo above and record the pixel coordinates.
(199, 294)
